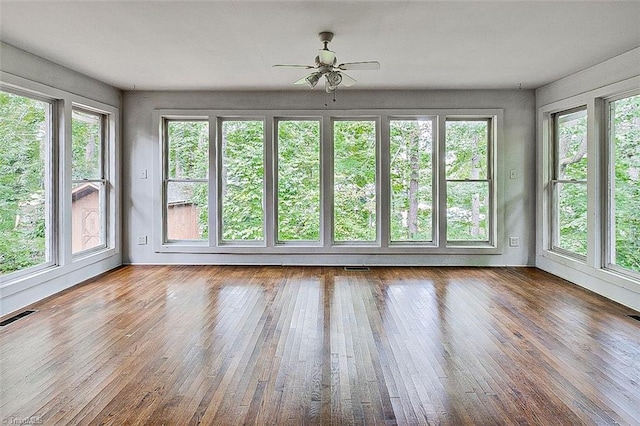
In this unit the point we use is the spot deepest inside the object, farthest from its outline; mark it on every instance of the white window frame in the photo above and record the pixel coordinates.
(608, 187)
(382, 245)
(555, 182)
(435, 149)
(490, 179)
(52, 206)
(62, 260)
(276, 149)
(166, 179)
(103, 180)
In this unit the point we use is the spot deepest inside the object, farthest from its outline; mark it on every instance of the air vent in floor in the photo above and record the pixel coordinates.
(356, 268)
(635, 317)
(15, 318)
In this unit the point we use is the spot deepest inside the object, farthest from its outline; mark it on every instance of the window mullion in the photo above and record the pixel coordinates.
(441, 182)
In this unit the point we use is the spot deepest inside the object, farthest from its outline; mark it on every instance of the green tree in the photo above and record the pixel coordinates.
(23, 146)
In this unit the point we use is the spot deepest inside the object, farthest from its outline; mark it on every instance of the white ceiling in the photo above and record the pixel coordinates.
(232, 45)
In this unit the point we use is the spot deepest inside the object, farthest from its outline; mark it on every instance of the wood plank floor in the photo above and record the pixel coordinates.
(180, 345)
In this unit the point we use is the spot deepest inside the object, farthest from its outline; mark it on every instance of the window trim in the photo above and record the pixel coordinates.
(382, 245)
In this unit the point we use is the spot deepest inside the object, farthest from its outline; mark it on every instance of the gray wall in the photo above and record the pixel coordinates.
(517, 151)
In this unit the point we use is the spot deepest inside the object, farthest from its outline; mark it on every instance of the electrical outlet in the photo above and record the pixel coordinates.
(142, 240)
(514, 241)
(513, 174)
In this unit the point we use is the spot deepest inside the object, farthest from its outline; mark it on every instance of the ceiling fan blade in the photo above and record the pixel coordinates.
(327, 57)
(368, 65)
(308, 67)
(347, 81)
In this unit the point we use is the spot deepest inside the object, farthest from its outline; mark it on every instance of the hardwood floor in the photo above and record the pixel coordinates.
(181, 345)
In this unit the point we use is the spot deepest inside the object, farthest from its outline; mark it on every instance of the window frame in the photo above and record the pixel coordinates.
(490, 180)
(554, 183)
(220, 241)
(103, 180)
(166, 179)
(276, 163)
(608, 173)
(382, 245)
(52, 205)
(435, 149)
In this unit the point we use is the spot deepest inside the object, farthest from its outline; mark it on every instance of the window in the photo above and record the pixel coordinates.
(329, 183)
(569, 183)
(298, 180)
(26, 183)
(354, 180)
(624, 183)
(411, 179)
(186, 180)
(88, 194)
(468, 184)
(242, 180)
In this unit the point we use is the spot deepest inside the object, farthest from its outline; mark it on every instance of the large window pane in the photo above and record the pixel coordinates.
(298, 180)
(88, 219)
(354, 181)
(468, 184)
(571, 146)
(242, 180)
(187, 208)
(411, 180)
(187, 211)
(467, 211)
(86, 145)
(466, 149)
(188, 149)
(625, 115)
(24, 185)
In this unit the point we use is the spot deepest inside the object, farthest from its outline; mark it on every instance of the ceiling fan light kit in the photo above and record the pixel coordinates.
(325, 65)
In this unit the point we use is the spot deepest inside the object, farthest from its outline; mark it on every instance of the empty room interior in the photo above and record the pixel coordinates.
(320, 212)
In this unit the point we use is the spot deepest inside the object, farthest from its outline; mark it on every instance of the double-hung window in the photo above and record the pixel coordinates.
(89, 185)
(569, 183)
(469, 187)
(186, 180)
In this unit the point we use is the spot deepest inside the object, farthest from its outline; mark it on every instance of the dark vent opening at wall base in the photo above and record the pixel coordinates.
(635, 317)
(356, 268)
(15, 318)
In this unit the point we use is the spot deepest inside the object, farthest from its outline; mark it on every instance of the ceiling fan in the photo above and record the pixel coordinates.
(325, 65)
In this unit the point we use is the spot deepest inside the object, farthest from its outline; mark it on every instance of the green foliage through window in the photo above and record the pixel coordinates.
(625, 116)
(467, 172)
(354, 181)
(24, 145)
(411, 179)
(242, 180)
(298, 180)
